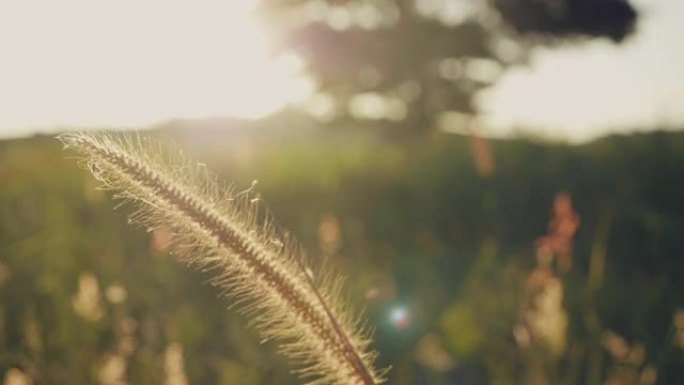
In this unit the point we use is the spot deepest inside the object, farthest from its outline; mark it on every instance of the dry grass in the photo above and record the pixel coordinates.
(263, 271)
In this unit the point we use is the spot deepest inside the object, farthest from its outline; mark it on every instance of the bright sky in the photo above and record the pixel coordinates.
(588, 90)
(139, 62)
(136, 62)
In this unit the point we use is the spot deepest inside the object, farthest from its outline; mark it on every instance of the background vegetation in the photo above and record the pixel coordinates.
(438, 248)
(479, 261)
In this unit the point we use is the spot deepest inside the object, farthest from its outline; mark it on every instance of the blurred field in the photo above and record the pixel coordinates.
(445, 240)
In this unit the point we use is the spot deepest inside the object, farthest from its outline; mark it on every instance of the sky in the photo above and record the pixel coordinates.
(582, 91)
(136, 63)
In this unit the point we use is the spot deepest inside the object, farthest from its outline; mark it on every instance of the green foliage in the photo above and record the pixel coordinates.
(462, 329)
(419, 227)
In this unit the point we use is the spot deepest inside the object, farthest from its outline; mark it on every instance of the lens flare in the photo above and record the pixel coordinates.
(400, 317)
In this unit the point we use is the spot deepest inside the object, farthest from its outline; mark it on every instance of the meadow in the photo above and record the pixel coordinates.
(478, 261)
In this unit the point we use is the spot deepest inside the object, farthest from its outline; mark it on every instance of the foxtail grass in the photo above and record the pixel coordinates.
(262, 270)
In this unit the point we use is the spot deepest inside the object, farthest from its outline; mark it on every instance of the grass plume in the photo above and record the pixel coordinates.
(259, 267)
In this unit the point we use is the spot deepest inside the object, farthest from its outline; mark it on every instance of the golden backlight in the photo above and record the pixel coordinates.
(137, 62)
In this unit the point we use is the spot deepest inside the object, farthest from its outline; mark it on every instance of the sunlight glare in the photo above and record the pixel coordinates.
(126, 62)
(399, 317)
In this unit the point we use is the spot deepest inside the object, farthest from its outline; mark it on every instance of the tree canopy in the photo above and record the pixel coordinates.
(405, 63)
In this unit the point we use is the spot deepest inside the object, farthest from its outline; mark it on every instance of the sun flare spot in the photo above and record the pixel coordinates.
(400, 317)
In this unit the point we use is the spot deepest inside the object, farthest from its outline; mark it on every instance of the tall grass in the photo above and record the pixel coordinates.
(263, 270)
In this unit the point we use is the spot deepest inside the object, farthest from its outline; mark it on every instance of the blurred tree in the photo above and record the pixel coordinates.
(592, 18)
(405, 63)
